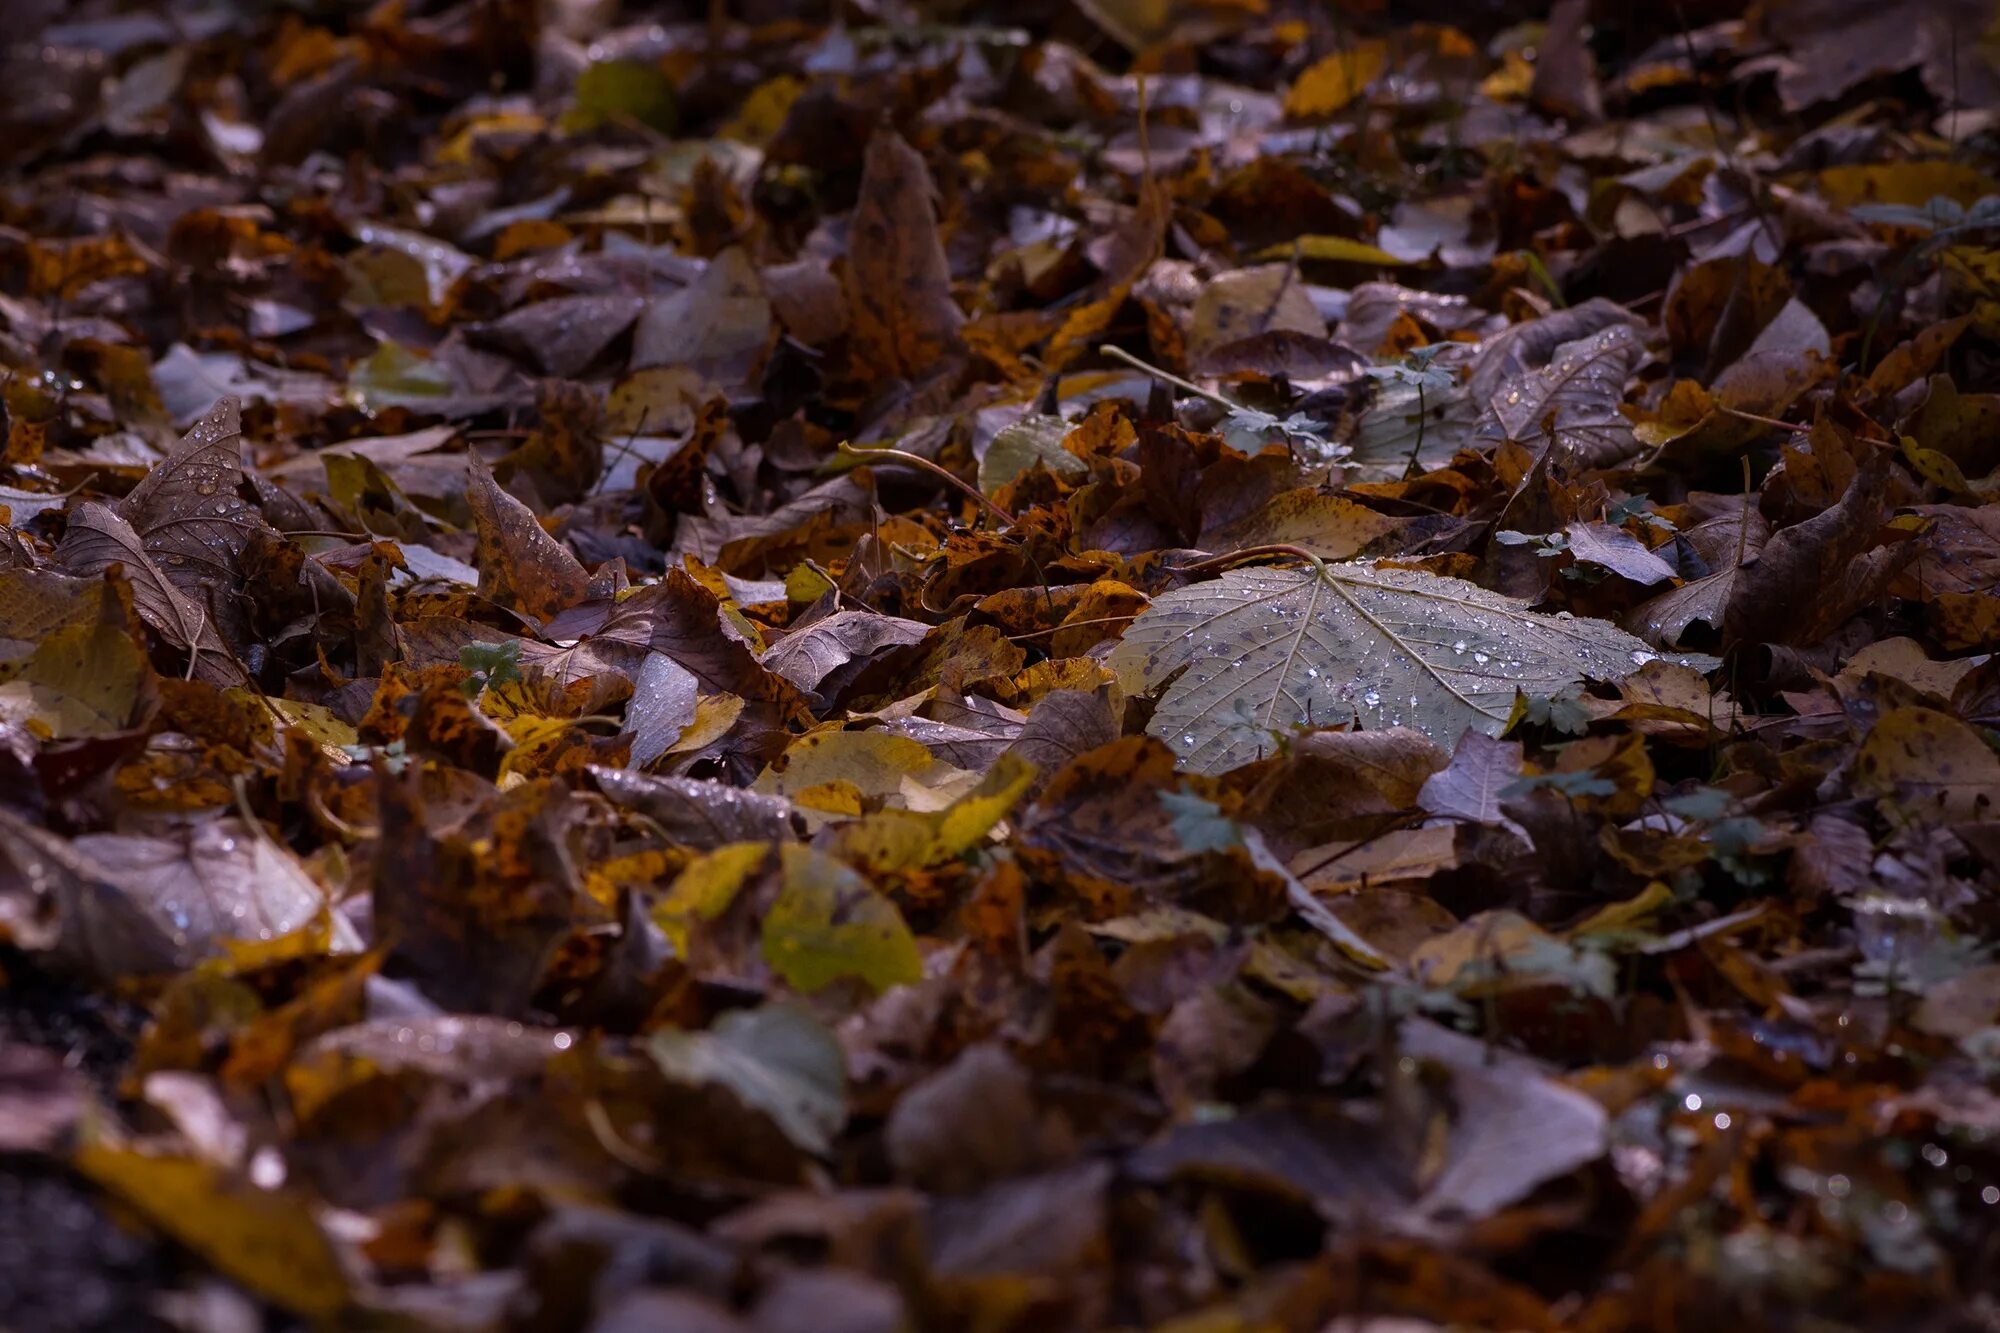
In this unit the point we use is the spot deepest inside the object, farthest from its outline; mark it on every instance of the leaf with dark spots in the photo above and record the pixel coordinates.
(902, 320)
(520, 565)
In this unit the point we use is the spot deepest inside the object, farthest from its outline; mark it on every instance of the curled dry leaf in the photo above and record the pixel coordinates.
(520, 565)
(1812, 576)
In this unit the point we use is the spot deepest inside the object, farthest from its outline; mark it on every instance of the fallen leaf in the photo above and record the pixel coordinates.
(1383, 646)
(520, 565)
(903, 319)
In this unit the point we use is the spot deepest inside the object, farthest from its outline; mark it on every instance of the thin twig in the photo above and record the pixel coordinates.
(943, 474)
(1216, 564)
(1120, 354)
(1074, 624)
(1741, 415)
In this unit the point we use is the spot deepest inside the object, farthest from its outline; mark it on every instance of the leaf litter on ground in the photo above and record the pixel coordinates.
(911, 665)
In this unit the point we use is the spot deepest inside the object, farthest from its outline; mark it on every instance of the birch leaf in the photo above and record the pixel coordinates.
(1258, 652)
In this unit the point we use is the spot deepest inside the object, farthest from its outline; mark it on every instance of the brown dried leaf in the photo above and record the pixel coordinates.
(520, 565)
(903, 320)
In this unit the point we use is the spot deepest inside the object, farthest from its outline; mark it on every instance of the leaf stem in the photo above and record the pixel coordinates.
(926, 465)
(1741, 415)
(1216, 564)
(1120, 354)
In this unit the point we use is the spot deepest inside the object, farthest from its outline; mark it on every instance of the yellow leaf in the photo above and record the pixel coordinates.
(1620, 918)
(264, 1239)
(1331, 249)
(1935, 467)
(829, 923)
(875, 762)
(1511, 82)
(972, 817)
(321, 725)
(1929, 766)
(839, 797)
(910, 840)
(1911, 183)
(619, 92)
(760, 114)
(705, 889)
(83, 680)
(1334, 81)
(714, 715)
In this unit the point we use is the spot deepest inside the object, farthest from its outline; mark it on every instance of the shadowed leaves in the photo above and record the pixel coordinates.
(903, 320)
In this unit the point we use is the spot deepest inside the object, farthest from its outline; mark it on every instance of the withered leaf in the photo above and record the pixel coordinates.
(903, 320)
(98, 539)
(520, 565)
(1812, 576)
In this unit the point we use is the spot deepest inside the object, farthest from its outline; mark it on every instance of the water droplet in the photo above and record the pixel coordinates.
(1481, 658)
(204, 488)
(1373, 699)
(1640, 657)
(1459, 647)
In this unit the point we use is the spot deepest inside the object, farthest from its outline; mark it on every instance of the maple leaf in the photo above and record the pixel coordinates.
(1259, 652)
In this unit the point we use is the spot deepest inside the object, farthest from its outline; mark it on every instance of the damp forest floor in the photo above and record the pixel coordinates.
(1221, 666)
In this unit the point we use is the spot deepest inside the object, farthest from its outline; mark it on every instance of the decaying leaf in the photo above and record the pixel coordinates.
(1570, 406)
(903, 317)
(520, 565)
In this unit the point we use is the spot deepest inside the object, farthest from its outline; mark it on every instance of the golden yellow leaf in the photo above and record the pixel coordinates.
(1333, 81)
(264, 1239)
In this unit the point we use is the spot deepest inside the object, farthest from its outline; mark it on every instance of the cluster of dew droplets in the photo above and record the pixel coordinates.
(1394, 648)
(187, 512)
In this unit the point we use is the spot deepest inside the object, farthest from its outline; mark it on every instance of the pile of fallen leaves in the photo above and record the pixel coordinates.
(1227, 666)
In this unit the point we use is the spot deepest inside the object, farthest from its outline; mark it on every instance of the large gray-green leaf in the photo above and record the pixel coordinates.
(1406, 419)
(1260, 651)
(777, 1060)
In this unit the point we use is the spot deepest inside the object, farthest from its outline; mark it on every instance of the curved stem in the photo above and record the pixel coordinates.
(925, 465)
(1229, 559)
(1120, 354)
